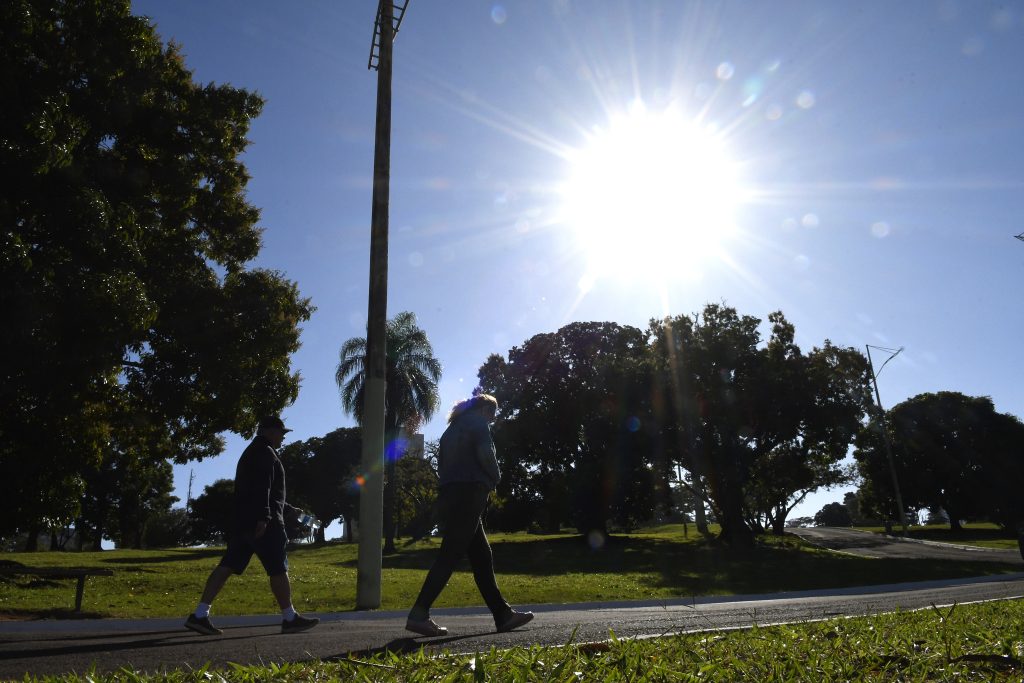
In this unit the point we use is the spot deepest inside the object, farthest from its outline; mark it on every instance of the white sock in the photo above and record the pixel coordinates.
(203, 610)
(288, 613)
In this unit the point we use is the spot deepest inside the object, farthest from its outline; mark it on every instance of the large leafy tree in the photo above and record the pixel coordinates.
(759, 420)
(131, 485)
(574, 436)
(411, 397)
(417, 495)
(950, 451)
(833, 514)
(823, 397)
(321, 474)
(713, 364)
(211, 512)
(125, 239)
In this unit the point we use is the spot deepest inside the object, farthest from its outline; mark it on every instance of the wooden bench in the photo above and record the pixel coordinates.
(59, 573)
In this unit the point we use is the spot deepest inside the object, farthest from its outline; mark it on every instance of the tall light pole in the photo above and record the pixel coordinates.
(371, 495)
(885, 432)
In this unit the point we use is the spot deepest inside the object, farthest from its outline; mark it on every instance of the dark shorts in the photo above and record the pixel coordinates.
(270, 548)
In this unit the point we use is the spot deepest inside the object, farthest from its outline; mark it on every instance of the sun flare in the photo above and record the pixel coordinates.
(651, 193)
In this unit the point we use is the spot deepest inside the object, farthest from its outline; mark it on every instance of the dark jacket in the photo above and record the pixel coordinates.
(467, 452)
(259, 486)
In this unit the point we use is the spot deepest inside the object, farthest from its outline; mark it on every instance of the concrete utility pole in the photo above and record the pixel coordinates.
(885, 431)
(371, 495)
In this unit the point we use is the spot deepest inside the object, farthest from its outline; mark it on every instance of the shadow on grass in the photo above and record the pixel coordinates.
(182, 555)
(705, 567)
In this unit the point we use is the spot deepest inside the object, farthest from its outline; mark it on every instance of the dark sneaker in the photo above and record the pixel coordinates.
(514, 620)
(202, 625)
(427, 627)
(299, 624)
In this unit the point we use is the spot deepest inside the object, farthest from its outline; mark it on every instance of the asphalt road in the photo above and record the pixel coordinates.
(152, 645)
(878, 545)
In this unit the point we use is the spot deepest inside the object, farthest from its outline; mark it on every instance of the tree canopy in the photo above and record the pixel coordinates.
(321, 473)
(760, 420)
(833, 514)
(573, 432)
(131, 314)
(595, 417)
(950, 451)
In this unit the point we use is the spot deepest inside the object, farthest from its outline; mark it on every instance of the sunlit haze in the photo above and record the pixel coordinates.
(650, 195)
(854, 165)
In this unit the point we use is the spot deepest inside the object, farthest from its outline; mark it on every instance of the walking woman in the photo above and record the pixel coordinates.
(468, 472)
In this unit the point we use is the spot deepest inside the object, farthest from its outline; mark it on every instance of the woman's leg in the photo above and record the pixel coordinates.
(460, 524)
(482, 560)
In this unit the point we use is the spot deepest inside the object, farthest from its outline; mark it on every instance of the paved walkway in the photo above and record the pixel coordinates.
(154, 645)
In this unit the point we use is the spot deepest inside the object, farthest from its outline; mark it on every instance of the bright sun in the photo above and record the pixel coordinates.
(650, 194)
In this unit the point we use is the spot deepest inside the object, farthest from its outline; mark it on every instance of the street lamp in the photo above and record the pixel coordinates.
(885, 432)
(371, 495)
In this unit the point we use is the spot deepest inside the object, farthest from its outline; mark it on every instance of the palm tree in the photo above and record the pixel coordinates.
(410, 398)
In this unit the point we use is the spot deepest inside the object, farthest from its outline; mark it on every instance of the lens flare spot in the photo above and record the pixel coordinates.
(880, 229)
(633, 423)
(973, 47)
(725, 71)
(396, 449)
(806, 99)
(498, 15)
(595, 539)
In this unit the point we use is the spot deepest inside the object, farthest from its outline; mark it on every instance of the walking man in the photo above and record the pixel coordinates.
(468, 472)
(257, 529)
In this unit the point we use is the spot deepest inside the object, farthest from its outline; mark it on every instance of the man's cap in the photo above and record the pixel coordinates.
(273, 422)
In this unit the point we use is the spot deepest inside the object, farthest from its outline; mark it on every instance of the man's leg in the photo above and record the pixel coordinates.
(272, 549)
(281, 587)
(218, 577)
(199, 620)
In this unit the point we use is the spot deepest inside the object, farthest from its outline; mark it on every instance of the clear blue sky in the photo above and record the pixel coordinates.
(856, 165)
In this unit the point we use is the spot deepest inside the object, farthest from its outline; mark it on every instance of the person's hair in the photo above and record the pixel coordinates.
(473, 403)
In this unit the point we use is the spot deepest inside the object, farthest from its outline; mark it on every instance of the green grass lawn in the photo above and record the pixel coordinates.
(653, 563)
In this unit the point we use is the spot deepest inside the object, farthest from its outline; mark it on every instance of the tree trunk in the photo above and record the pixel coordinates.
(699, 516)
(729, 490)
